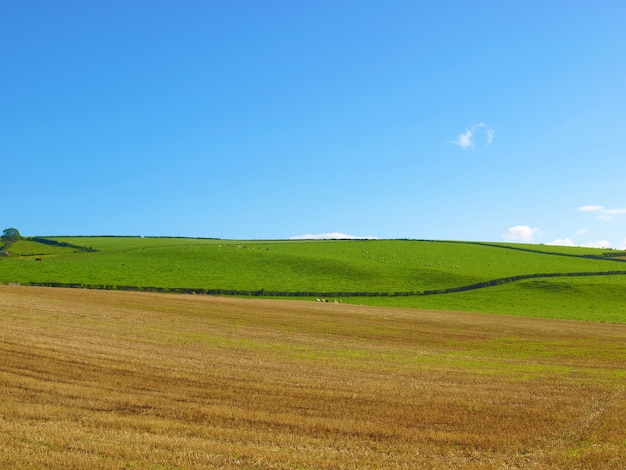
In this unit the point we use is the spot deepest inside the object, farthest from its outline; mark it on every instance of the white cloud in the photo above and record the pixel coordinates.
(522, 233)
(467, 140)
(603, 213)
(598, 244)
(562, 242)
(582, 231)
(591, 208)
(490, 135)
(591, 244)
(330, 236)
(615, 211)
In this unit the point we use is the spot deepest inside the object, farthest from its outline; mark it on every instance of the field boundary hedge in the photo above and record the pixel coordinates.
(606, 256)
(47, 241)
(274, 293)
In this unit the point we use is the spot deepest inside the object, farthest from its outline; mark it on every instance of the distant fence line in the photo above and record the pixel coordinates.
(275, 293)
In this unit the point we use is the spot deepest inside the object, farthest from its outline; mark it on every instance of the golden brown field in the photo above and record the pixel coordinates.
(97, 379)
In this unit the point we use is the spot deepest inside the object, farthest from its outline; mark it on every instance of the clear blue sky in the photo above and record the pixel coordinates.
(491, 121)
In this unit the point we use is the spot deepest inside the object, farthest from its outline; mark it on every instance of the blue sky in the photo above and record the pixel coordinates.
(490, 121)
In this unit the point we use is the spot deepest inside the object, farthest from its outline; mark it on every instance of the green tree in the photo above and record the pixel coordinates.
(11, 235)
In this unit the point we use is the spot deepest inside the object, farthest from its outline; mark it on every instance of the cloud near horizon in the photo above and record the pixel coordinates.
(467, 140)
(598, 244)
(562, 242)
(522, 233)
(590, 244)
(331, 236)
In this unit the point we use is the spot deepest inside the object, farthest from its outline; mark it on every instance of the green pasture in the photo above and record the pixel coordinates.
(374, 270)
(593, 298)
(31, 248)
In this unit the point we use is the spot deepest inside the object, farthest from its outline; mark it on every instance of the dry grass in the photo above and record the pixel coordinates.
(94, 379)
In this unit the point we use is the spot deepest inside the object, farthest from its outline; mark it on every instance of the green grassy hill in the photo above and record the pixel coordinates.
(498, 278)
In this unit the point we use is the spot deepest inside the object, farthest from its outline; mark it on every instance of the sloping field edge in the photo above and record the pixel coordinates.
(606, 256)
(273, 293)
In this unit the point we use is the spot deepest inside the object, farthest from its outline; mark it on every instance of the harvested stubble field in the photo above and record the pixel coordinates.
(108, 379)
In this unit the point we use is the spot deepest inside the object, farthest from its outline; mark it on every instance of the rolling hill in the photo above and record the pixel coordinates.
(532, 280)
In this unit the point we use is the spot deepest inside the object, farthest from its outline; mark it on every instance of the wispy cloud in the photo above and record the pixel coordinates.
(331, 236)
(598, 244)
(467, 139)
(602, 212)
(593, 208)
(521, 233)
(490, 134)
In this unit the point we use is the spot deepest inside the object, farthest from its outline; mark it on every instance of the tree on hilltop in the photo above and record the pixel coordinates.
(10, 235)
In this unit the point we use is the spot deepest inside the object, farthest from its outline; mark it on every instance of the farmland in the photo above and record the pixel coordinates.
(131, 373)
(112, 379)
(528, 280)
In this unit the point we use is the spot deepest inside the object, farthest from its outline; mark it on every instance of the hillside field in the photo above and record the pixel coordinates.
(528, 280)
(111, 379)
